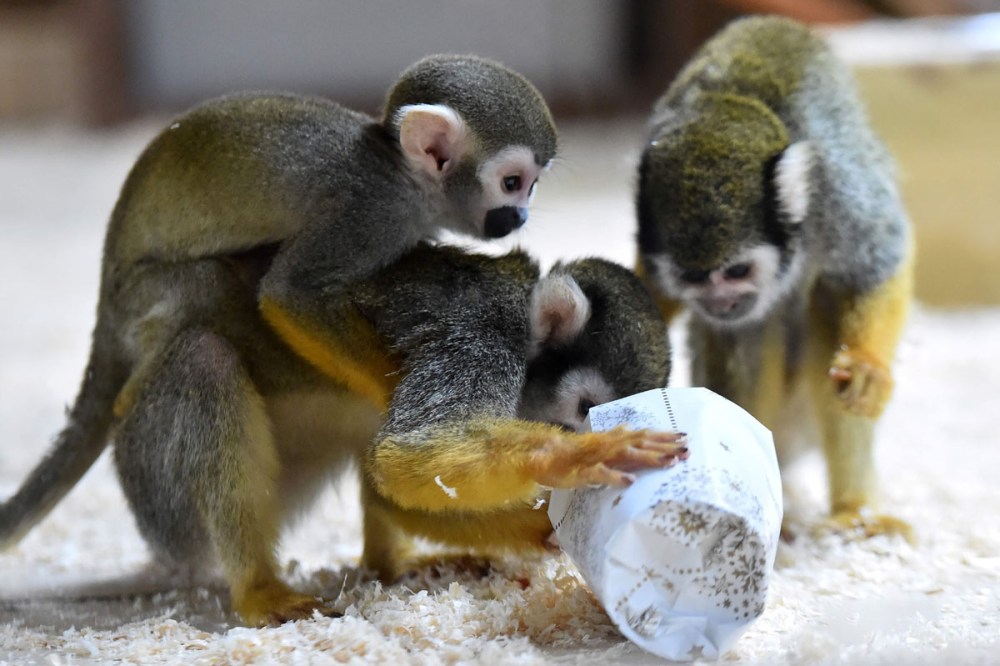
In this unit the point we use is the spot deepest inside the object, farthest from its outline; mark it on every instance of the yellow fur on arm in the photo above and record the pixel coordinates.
(872, 323)
(476, 465)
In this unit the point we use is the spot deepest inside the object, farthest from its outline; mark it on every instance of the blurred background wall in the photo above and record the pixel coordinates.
(929, 70)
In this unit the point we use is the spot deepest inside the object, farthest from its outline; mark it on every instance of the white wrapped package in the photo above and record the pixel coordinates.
(681, 559)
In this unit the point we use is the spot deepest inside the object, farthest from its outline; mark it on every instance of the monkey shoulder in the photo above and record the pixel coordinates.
(459, 323)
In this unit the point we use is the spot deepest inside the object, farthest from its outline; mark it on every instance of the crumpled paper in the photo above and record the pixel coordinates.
(681, 559)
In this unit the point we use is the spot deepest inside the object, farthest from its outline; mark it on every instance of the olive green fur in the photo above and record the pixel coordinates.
(500, 93)
(706, 182)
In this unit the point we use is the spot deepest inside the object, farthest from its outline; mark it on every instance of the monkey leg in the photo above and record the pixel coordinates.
(198, 465)
(388, 547)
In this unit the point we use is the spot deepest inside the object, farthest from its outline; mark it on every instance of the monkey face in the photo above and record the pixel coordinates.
(559, 392)
(597, 336)
(506, 188)
(738, 291)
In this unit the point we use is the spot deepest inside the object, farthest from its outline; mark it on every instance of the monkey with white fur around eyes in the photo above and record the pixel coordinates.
(769, 209)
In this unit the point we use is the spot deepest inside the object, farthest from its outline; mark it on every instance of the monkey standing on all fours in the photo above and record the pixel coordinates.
(235, 364)
(768, 207)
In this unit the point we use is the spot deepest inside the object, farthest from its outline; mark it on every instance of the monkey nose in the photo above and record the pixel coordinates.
(503, 220)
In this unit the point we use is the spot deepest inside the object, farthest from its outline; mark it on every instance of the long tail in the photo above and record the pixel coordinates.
(74, 451)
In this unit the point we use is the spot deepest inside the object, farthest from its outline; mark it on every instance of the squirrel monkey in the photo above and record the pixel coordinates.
(768, 207)
(456, 461)
(228, 433)
(460, 146)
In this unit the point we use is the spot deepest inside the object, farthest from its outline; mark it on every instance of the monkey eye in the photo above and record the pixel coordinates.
(738, 271)
(584, 406)
(695, 277)
(511, 183)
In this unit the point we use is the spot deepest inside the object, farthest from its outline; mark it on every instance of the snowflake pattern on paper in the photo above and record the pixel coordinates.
(700, 539)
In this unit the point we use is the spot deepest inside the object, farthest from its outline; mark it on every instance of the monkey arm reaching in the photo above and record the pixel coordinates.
(456, 461)
(487, 463)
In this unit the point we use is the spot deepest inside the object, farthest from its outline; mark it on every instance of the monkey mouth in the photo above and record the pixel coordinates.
(728, 311)
(501, 221)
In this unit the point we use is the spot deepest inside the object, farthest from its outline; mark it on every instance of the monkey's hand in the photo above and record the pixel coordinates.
(571, 460)
(863, 382)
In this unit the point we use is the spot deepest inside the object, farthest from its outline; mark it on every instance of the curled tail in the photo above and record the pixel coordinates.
(74, 451)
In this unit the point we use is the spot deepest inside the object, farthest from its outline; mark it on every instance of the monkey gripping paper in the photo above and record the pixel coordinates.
(681, 558)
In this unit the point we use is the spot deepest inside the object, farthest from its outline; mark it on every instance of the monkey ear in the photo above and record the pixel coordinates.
(559, 311)
(432, 136)
(792, 180)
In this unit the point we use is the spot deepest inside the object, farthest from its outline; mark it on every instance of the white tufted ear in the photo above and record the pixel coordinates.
(791, 180)
(559, 310)
(432, 136)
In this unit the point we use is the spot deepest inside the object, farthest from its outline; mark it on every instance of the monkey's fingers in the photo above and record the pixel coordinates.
(636, 458)
(601, 474)
(605, 457)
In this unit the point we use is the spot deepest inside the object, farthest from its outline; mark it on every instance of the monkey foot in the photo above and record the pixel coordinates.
(863, 524)
(862, 382)
(572, 460)
(274, 604)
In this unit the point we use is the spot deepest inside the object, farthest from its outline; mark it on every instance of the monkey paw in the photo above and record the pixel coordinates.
(862, 382)
(863, 524)
(275, 604)
(571, 460)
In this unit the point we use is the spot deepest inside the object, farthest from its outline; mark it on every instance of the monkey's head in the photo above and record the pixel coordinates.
(721, 199)
(596, 336)
(476, 131)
